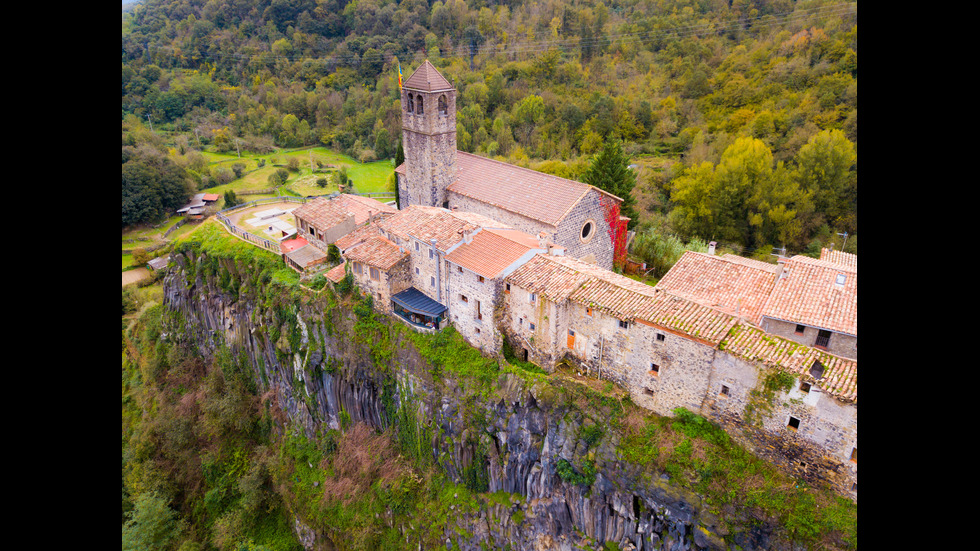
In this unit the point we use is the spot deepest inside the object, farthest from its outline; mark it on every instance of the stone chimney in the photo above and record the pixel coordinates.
(782, 269)
(543, 240)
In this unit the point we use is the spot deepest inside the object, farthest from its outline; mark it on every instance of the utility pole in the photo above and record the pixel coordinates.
(150, 121)
(197, 137)
(237, 149)
(844, 235)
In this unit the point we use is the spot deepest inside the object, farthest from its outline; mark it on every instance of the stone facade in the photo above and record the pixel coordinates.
(472, 301)
(382, 284)
(839, 344)
(429, 143)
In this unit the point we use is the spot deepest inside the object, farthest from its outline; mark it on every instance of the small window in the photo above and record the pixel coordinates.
(794, 423)
(588, 312)
(660, 337)
(840, 279)
(805, 388)
(419, 110)
(479, 314)
(507, 287)
(416, 271)
(854, 455)
(443, 105)
(654, 370)
(431, 253)
(823, 339)
(533, 297)
(531, 326)
(520, 321)
(477, 330)
(357, 268)
(724, 391)
(416, 245)
(623, 324)
(480, 278)
(432, 281)
(411, 103)
(459, 269)
(799, 329)
(463, 298)
(375, 274)
(588, 231)
(648, 391)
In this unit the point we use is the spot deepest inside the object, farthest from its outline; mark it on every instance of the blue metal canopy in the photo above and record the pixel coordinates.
(416, 301)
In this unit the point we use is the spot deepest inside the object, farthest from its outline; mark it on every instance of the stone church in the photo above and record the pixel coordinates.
(582, 219)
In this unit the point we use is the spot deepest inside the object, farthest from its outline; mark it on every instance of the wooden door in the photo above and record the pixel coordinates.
(571, 339)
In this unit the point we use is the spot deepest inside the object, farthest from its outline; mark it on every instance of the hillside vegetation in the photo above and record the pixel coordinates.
(742, 118)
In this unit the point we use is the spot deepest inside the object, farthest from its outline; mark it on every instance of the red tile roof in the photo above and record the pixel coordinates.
(337, 273)
(492, 250)
(557, 278)
(322, 212)
(527, 192)
(427, 79)
(731, 284)
(376, 251)
(428, 223)
(839, 377)
(359, 235)
(293, 244)
(361, 207)
(839, 257)
(809, 294)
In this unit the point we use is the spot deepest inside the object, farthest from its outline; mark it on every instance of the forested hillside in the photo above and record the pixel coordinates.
(742, 114)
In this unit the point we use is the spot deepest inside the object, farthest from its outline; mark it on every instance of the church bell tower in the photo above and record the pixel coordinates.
(428, 138)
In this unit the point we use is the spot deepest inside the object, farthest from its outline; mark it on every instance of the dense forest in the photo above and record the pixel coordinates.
(742, 114)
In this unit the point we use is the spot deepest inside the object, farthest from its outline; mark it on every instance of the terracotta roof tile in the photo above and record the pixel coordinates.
(731, 284)
(533, 194)
(839, 257)
(428, 223)
(492, 250)
(809, 294)
(427, 79)
(359, 235)
(839, 377)
(337, 273)
(361, 207)
(557, 278)
(376, 251)
(322, 212)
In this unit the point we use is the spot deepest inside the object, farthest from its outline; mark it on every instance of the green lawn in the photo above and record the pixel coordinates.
(367, 178)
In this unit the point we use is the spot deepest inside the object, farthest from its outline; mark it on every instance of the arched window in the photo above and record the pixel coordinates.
(443, 105)
(418, 107)
(411, 104)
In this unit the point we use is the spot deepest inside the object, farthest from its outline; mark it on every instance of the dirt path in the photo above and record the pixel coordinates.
(132, 276)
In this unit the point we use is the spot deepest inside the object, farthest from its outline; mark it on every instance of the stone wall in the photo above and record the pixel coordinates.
(429, 142)
(821, 447)
(598, 248)
(474, 316)
(840, 344)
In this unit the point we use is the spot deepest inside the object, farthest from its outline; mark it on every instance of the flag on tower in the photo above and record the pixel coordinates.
(399, 75)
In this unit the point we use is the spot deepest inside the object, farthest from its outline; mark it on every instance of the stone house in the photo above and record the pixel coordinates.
(805, 300)
(475, 271)
(670, 351)
(324, 220)
(380, 268)
(582, 219)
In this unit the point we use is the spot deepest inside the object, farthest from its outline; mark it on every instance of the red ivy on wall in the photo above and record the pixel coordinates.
(617, 228)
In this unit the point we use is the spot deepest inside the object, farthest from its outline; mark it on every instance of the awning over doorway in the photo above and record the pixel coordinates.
(416, 301)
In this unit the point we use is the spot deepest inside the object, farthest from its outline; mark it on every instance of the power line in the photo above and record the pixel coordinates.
(563, 44)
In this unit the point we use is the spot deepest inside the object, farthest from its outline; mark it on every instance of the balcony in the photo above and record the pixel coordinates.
(418, 310)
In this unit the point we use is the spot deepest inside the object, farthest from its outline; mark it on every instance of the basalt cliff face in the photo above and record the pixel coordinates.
(303, 348)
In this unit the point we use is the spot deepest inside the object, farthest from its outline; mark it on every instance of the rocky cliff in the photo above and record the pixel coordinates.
(543, 440)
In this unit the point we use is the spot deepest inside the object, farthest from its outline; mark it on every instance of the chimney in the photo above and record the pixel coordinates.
(370, 216)
(543, 240)
(781, 270)
(711, 247)
(556, 250)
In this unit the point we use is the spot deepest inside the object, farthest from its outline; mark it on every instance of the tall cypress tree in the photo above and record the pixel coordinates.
(610, 171)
